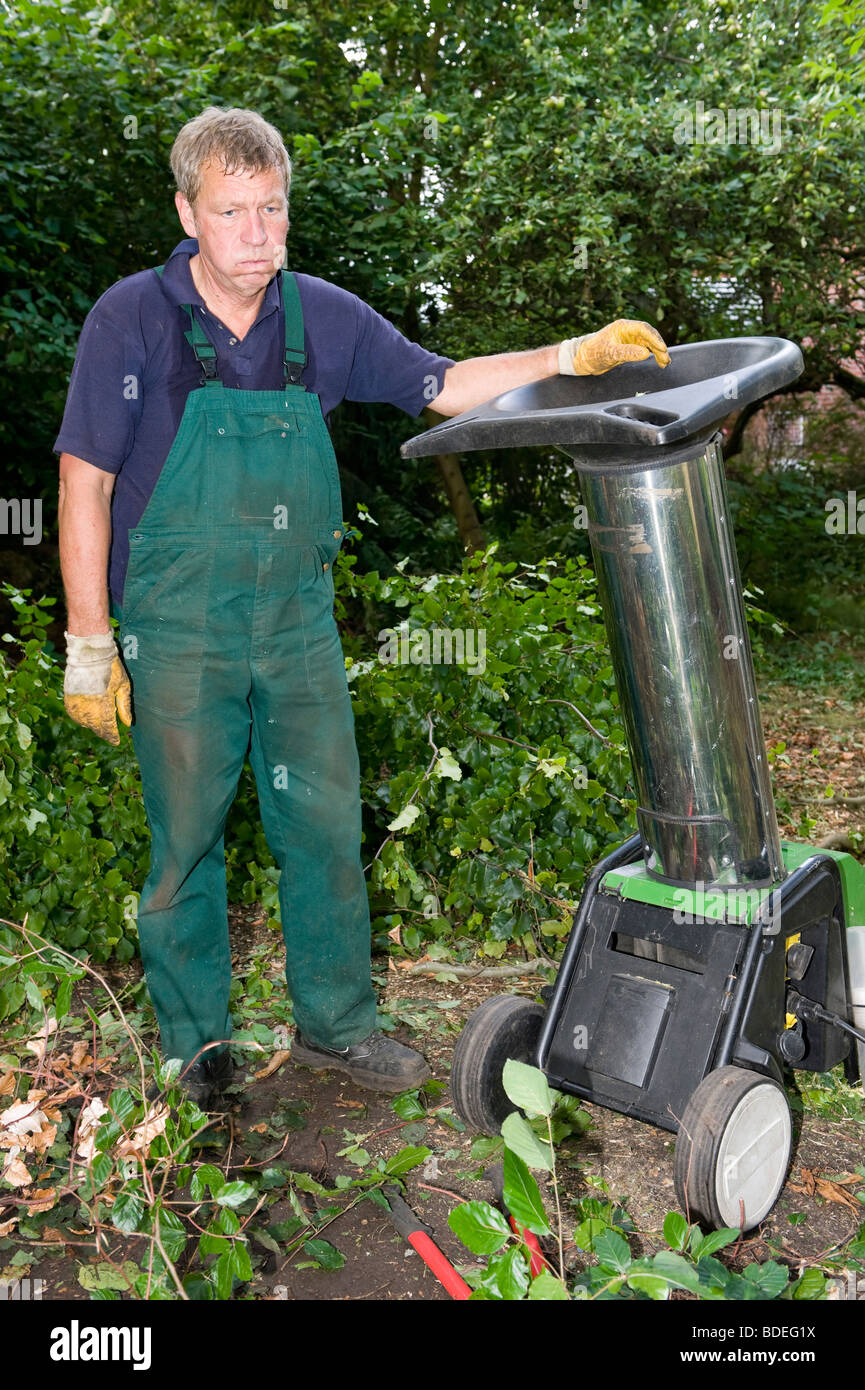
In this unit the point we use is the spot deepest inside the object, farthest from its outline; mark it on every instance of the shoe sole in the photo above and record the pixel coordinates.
(370, 1081)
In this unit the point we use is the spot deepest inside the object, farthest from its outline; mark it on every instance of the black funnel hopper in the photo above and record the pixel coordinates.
(639, 413)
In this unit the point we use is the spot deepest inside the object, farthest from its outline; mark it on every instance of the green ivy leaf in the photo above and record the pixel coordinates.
(326, 1254)
(522, 1195)
(406, 818)
(613, 1252)
(204, 1177)
(128, 1209)
(676, 1230)
(650, 1284)
(770, 1278)
(508, 1273)
(522, 1140)
(447, 766)
(234, 1194)
(527, 1087)
(811, 1285)
(406, 1159)
(546, 1286)
(408, 1107)
(716, 1240)
(479, 1226)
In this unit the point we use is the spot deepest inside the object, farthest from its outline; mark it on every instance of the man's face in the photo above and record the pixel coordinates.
(241, 222)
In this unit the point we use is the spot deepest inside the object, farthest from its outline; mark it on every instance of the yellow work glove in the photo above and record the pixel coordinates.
(626, 340)
(96, 687)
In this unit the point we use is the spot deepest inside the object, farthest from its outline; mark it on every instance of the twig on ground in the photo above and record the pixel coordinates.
(470, 972)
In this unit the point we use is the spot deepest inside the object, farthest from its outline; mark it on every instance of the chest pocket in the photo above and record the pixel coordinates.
(255, 424)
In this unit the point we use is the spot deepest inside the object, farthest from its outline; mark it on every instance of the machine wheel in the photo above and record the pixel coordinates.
(504, 1027)
(733, 1149)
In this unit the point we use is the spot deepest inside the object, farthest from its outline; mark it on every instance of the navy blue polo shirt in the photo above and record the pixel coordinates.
(134, 369)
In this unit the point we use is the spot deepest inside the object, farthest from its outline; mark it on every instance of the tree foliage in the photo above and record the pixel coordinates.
(489, 175)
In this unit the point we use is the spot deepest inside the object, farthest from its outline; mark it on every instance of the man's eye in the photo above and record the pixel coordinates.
(229, 212)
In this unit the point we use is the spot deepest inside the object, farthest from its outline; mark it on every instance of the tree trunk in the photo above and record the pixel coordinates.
(462, 506)
(459, 497)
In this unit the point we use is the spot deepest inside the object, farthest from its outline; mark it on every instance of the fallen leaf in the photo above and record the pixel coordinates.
(352, 1104)
(6, 1226)
(88, 1121)
(809, 1180)
(273, 1065)
(80, 1053)
(37, 1044)
(833, 1192)
(42, 1142)
(144, 1133)
(393, 935)
(15, 1172)
(52, 1236)
(259, 1129)
(19, 1119)
(815, 1185)
(7, 1083)
(43, 1199)
(61, 1096)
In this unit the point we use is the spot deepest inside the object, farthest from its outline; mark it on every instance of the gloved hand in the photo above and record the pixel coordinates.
(625, 340)
(96, 687)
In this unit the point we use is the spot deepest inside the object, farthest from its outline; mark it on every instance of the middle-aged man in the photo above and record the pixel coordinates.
(199, 485)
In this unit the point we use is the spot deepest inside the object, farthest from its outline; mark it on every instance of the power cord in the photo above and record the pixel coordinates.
(809, 1009)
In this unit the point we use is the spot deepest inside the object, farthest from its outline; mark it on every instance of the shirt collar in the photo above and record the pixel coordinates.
(180, 288)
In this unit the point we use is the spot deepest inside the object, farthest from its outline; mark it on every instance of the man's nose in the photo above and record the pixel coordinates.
(255, 231)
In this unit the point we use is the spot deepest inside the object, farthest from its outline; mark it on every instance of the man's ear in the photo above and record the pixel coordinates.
(186, 215)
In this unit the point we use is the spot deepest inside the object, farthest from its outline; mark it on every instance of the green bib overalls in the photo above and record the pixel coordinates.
(231, 646)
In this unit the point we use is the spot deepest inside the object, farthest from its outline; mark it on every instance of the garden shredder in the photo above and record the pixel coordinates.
(706, 956)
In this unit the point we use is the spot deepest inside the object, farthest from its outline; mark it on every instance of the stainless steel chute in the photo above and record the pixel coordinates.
(644, 442)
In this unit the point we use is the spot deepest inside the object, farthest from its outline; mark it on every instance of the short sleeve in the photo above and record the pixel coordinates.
(104, 401)
(389, 367)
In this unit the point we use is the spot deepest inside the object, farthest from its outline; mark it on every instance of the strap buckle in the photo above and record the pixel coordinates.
(295, 364)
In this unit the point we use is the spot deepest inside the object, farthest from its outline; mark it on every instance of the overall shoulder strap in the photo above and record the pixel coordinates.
(295, 356)
(205, 352)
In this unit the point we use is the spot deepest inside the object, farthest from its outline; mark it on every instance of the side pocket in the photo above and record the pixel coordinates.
(163, 637)
(324, 557)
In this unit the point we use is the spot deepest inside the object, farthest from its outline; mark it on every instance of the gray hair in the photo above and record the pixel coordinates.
(237, 139)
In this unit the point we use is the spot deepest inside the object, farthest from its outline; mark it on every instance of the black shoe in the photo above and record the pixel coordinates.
(203, 1081)
(378, 1063)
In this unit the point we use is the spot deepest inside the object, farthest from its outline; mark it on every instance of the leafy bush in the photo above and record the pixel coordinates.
(489, 785)
(812, 579)
(72, 827)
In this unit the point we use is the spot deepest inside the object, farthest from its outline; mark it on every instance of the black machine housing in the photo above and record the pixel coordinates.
(645, 1007)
